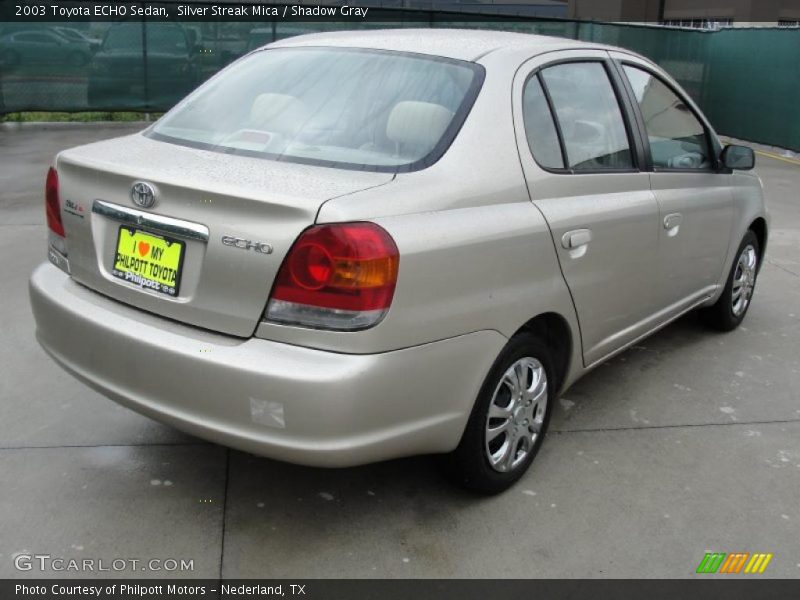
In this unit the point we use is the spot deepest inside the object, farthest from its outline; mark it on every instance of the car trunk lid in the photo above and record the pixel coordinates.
(201, 198)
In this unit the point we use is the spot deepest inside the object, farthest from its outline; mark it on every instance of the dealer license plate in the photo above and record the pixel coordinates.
(149, 261)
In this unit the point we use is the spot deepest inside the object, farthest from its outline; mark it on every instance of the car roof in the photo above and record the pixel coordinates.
(461, 44)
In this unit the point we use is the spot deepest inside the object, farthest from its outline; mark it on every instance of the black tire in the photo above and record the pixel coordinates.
(468, 466)
(721, 315)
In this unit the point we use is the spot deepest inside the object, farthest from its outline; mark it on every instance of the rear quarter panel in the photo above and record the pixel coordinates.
(461, 270)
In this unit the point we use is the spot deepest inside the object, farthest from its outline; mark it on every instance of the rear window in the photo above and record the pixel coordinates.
(342, 107)
(160, 38)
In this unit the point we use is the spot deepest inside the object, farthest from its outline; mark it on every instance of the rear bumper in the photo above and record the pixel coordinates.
(287, 402)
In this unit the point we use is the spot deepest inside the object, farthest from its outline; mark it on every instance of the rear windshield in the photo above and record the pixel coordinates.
(358, 109)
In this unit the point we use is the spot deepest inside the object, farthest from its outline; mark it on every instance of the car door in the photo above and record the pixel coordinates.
(582, 161)
(694, 195)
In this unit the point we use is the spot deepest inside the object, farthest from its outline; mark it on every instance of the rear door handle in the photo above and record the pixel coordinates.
(576, 238)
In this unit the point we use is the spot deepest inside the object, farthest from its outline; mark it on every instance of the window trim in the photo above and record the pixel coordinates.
(626, 112)
(711, 146)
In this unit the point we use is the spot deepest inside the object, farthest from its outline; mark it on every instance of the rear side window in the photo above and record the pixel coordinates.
(677, 137)
(589, 117)
(539, 126)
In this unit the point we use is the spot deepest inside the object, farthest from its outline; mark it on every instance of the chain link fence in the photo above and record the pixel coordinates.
(746, 80)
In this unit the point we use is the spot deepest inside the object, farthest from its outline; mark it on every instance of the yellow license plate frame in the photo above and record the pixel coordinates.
(148, 260)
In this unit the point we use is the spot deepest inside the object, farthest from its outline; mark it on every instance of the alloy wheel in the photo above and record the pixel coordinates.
(744, 280)
(516, 414)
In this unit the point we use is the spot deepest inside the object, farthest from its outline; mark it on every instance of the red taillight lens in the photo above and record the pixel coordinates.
(338, 276)
(53, 203)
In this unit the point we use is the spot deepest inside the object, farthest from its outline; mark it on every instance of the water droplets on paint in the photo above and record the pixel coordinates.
(155, 482)
(784, 460)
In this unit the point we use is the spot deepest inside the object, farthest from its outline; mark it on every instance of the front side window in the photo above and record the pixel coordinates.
(161, 38)
(677, 137)
(360, 109)
(589, 117)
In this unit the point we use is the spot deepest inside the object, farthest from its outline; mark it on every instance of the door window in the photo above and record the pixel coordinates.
(39, 38)
(588, 116)
(540, 130)
(677, 137)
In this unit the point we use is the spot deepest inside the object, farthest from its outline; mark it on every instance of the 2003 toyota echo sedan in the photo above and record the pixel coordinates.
(350, 247)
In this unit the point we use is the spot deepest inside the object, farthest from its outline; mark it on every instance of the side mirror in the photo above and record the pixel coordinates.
(738, 157)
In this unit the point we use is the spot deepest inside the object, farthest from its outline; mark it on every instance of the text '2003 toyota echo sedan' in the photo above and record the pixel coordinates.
(350, 247)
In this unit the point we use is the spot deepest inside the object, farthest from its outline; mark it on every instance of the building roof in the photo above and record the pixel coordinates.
(462, 44)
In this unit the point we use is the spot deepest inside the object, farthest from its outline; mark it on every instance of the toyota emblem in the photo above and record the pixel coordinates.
(143, 194)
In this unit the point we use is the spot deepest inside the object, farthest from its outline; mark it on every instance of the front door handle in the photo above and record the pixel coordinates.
(576, 238)
(672, 223)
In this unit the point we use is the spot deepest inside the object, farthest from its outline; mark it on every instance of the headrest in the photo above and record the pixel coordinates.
(417, 123)
(279, 113)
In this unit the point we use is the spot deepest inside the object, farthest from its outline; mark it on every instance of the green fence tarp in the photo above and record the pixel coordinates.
(746, 80)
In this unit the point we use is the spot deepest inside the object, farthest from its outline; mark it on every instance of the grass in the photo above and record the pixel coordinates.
(75, 117)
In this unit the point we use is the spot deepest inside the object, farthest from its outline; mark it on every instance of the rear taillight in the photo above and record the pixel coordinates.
(53, 203)
(57, 244)
(339, 276)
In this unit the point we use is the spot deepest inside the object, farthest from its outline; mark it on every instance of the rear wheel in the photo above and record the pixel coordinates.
(729, 311)
(509, 420)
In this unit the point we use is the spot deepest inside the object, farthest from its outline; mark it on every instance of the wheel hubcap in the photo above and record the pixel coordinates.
(744, 280)
(516, 414)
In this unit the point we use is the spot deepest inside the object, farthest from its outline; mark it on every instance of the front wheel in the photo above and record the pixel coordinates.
(729, 311)
(509, 419)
